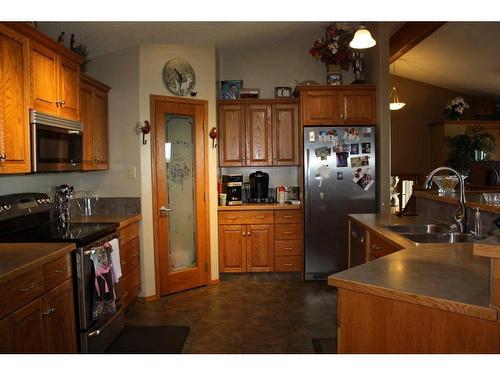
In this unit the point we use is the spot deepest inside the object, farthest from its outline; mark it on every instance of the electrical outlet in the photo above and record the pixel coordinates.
(132, 172)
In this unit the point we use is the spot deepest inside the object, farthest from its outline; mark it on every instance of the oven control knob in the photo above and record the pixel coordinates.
(6, 207)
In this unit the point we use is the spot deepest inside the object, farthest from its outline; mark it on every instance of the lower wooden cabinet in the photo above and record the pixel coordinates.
(260, 241)
(379, 247)
(45, 325)
(130, 282)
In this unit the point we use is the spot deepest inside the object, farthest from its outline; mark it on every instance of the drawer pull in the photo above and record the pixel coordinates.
(49, 311)
(287, 232)
(288, 264)
(136, 284)
(243, 234)
(123, 262)
(32, 286)
(289, 248)
(259, 217)
(134, 254)
(377, 247)
(231, 217)
(248, 233)
(60, 270)
(288, 216)
(124, 294)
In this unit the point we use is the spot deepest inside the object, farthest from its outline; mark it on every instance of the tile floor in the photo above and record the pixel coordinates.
(247, 313)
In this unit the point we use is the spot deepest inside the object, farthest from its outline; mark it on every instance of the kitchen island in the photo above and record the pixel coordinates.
(434, 298)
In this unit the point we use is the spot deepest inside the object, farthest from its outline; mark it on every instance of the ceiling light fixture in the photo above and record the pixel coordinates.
(395, 104)
(362, 39)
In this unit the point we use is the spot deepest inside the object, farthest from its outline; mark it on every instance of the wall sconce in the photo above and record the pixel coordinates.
(213, 136)
(145, 129)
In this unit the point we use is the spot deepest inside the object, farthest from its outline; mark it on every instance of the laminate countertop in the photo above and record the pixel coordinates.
(18, 258)
(441, 276)
(121, 220)
(260, 206)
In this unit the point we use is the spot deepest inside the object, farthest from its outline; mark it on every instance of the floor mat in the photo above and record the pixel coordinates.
(325, 346)
(150, 340)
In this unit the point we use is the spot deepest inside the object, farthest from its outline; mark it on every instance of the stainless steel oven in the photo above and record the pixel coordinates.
(56, 143)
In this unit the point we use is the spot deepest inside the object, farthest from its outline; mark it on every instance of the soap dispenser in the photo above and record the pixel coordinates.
(478, 231)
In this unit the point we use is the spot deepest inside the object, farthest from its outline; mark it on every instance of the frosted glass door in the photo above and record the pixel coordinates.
(180, 168)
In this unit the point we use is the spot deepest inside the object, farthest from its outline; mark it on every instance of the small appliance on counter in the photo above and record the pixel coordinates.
(231, 186)
(259, 188)
(287, 194)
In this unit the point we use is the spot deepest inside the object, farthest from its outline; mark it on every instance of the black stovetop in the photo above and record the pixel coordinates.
(80, 233)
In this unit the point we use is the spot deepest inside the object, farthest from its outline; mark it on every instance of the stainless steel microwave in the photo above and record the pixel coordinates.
(56, 143)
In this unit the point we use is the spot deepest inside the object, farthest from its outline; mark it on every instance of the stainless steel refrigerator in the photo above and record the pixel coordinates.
(339, 179)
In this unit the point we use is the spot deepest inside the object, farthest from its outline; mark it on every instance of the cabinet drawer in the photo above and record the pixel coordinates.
(379, 247)
(130, 255)
(288, 216)
(57, 271)
(288, 231)
(130, 285)
(246, 217)
(287, 248)
(21, 290)
(129, 232)
(288, 264)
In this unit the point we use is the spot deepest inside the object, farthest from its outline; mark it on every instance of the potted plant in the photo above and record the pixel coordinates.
(464, 148)
(482, 145)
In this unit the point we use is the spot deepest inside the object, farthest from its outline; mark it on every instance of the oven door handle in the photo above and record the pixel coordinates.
(92, 251)
(97, 332)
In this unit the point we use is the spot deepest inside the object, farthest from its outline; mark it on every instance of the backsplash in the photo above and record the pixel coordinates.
(111, 206)
(444, 212)
(277, 175)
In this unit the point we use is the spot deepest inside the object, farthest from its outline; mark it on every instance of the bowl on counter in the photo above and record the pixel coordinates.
(446, 184)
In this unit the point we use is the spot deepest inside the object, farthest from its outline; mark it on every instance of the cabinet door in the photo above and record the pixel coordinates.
(359, 108)
(44, 79)
(258, 135)
(59, 319)
(379, 247)
(232, 135)
(14, 123)
(69, 82)
(321, 108)
(232, 248)
(87, 119)
(26, 329)
(285, 134)
(260, 250)
(101, 129)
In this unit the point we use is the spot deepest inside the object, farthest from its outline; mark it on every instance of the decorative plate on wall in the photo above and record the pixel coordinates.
(179, 77)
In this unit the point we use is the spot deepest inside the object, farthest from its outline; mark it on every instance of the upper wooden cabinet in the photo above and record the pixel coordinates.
(337, 105)
(258, 132)
(14, 89)
(94, 116)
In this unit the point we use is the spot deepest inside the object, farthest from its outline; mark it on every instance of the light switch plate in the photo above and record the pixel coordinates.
(132, 172)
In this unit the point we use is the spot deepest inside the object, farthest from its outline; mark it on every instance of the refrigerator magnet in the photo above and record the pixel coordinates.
(354, 148)
(360, 161)
(323, 152)
(312, 136)
(323, 173)
(342, 159)
(365, 182)
(366, 148)
(321, 195)
(340, 175)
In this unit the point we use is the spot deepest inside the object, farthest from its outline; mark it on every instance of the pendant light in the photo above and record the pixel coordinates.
(362, 39)
(395, 104)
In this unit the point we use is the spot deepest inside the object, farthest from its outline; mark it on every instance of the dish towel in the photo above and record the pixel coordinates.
(115, 260)
(103, 298)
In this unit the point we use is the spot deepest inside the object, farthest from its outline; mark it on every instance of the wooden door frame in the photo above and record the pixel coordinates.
(154, 100)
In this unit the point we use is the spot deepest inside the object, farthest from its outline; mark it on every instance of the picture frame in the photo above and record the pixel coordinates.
(249, 93)
(230, 89)
(282, 92)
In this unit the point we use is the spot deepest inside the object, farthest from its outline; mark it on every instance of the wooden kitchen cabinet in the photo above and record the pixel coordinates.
(337, 105)
(258, 132)
(39, 315)
(288, 241)
(94, 116)
(14, 89)
(379, 247)
(130, 258)
(260, 250)
(232, 248)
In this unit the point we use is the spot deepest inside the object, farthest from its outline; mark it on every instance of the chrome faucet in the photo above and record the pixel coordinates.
(460, 216)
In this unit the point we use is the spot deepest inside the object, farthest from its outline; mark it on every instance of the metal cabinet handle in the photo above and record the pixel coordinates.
(134, 254)
(287, 232)
(259, 217)
(288, 248)
(123, 262)
(60, 270)
(28, 288)
(3, 156)
(96, 160)
(231, 217)
(248, 233)
(377, 247)
(49, 311)
(244, 234)
(341, 115)
(288, 216)
(288, 264)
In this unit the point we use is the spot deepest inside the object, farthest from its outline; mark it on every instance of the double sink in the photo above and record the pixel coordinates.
(430, 233)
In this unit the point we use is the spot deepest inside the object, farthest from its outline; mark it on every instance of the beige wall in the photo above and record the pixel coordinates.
(410, 125)
(152, 58)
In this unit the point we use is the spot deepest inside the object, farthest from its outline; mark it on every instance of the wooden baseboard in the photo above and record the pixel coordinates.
(214, 282)
(148, 298)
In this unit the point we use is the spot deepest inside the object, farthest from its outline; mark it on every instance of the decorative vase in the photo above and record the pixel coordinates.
(333, 75)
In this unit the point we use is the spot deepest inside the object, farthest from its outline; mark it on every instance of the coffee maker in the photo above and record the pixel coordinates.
(259, 188)
(231, 186)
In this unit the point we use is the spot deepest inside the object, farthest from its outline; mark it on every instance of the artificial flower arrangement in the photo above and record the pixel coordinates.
(333, 48)
(455, 108)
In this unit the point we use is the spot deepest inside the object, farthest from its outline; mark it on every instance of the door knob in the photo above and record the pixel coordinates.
(164, 210)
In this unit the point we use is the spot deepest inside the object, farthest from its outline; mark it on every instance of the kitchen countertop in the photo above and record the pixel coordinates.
(260, 206)
(18, 258)
(122, 220)
(441, 276)
(472, 199)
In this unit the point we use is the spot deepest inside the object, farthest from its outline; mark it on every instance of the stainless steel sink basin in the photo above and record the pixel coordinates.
(438, 237)
(417, 228)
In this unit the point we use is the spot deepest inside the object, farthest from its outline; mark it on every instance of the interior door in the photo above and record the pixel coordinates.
(181, 214)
